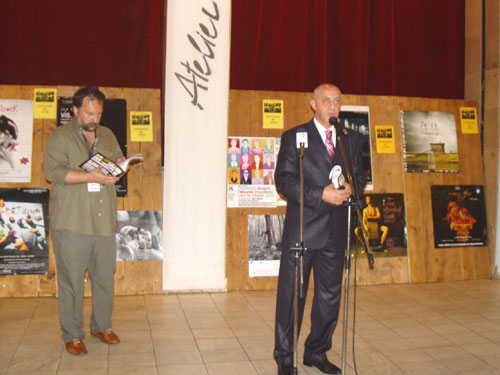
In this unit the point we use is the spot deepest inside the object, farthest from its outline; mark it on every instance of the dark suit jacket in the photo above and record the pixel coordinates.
(322, 221)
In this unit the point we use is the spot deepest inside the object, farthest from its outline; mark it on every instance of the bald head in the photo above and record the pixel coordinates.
(326, 103)
(323, 85)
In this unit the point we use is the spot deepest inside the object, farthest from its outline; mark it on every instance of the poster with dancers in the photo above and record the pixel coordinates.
(459, 216)
(24, 231)
(16, 134)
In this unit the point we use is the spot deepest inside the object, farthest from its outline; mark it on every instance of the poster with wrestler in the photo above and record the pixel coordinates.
(24, 231)
(139, 235)
(459, 216)
(16, 134)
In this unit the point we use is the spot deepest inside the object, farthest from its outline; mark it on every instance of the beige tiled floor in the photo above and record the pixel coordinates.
(444, 328)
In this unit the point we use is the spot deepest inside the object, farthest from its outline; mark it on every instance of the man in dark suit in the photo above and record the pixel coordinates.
(325, 230)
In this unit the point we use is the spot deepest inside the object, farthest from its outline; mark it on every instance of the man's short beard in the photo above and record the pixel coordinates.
(87, 127)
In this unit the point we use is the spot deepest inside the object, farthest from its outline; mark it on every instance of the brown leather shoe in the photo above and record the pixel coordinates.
(76, 347)
(107, 336)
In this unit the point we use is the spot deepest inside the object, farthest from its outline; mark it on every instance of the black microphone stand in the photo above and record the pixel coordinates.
(298, 252)
(352, 202)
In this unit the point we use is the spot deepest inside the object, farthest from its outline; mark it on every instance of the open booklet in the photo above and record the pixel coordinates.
(109, 167)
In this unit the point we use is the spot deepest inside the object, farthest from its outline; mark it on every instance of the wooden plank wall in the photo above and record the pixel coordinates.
(144, 193)
(424, 263)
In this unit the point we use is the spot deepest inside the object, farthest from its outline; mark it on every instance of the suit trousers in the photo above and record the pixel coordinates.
(328, 271)
(75, 253)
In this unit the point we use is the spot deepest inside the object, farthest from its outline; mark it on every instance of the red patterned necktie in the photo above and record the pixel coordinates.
(329, 144)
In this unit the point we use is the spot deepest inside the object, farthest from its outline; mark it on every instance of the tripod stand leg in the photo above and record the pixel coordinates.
(296, 311)
(346, 309)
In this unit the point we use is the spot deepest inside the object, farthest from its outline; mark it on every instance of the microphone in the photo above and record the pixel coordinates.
(337, 177)
(301, 138)
(339, 129)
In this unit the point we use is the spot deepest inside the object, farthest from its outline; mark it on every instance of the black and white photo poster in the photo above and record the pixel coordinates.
(16, 134)
(139, 235)
(264, 244)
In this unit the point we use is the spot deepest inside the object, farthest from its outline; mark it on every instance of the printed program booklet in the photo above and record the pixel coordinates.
(109, 167)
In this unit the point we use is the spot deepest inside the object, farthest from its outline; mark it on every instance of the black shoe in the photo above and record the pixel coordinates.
(286, 370)
(324, 365)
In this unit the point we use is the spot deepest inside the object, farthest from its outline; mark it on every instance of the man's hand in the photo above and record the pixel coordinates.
(336, 197)
(96, 176)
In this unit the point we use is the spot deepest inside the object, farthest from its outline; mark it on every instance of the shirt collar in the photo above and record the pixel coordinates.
(322, 131)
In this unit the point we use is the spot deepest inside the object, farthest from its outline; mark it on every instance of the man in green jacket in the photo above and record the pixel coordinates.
(83, 219)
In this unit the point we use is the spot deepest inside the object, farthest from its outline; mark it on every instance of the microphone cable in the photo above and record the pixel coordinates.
(356, 247)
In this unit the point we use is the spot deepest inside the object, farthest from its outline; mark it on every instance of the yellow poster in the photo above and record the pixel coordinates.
(468, 120)
(384, 136)
(45, 103)
(141, 126)
(272, 114)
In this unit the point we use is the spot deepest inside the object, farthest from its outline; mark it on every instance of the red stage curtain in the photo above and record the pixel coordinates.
(366, 47)
(379, 47)
(116, 43)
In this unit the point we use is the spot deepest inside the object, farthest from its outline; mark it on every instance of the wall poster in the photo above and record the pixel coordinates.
(357, 117)
(264, 244)
(429, 141)
(139, 235)
(251, 162)
(24, 223)
(383, 217)
(16, 134)
(459, 216)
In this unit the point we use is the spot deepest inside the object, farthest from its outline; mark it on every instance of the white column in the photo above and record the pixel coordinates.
(196, 111)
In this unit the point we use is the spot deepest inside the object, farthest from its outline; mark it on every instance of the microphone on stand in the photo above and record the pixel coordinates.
(301, 139)
(339, 129)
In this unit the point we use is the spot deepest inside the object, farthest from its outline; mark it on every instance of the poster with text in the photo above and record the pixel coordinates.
(468, 120)
(139, 235)
(272, 114)
(16, 133)
(459, 216)
(251, 162)
(383, 219)
(264, 244)
(384, 139)
(429, 141)
(357, 118)
(45, 103)
(24, 227)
